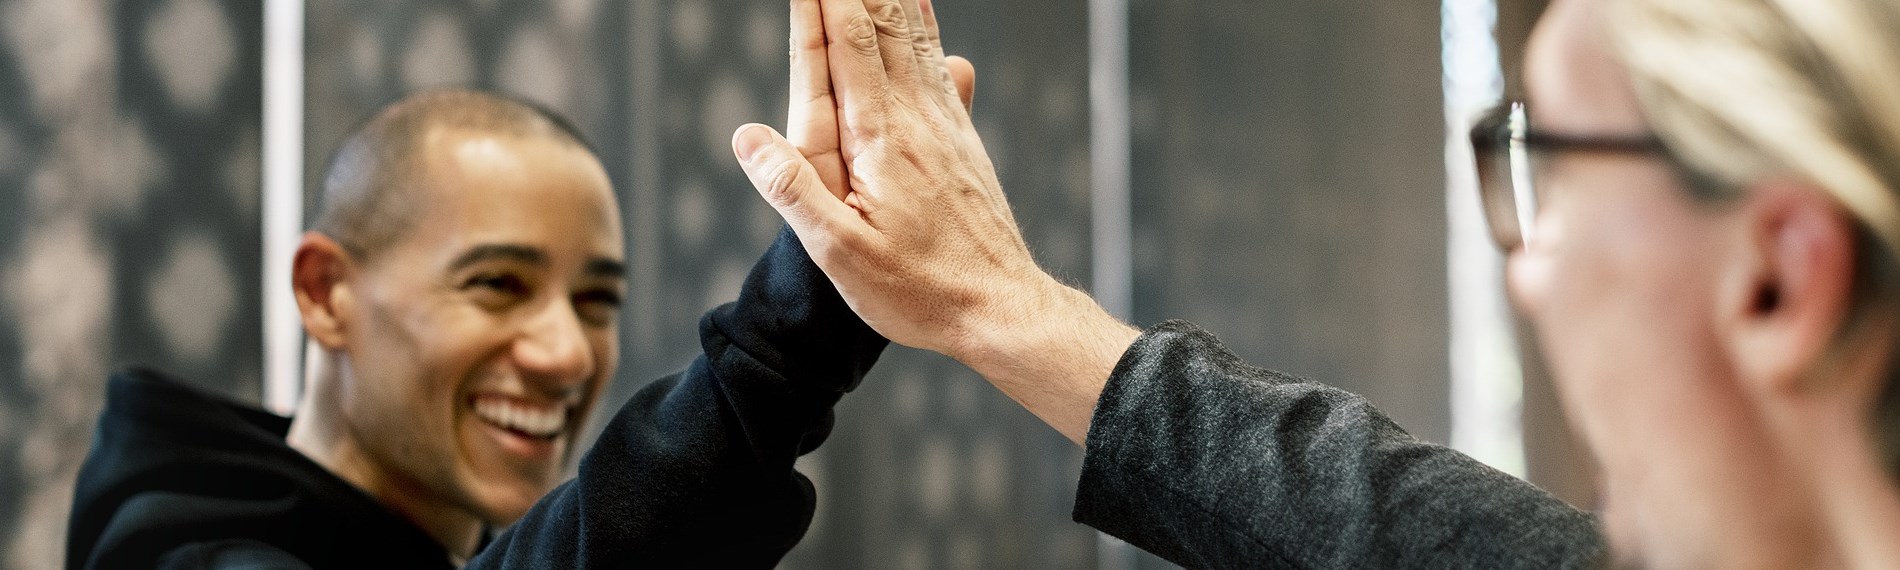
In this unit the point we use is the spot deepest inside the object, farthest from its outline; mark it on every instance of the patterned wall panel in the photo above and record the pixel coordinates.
(1289, 189)
(128, 224)
(364, 54)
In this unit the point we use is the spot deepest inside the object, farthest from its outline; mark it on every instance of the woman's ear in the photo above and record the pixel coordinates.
(319, 275)
(1788, 306)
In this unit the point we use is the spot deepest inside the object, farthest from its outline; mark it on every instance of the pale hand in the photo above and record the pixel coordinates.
(907, 216)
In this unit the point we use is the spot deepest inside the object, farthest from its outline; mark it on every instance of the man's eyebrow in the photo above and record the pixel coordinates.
(596, 267)
(603, 267)
(507, 251)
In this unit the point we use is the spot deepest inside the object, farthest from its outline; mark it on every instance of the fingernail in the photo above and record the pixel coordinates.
(750, 140)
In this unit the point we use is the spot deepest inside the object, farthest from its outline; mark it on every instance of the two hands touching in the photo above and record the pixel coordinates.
(887, 184)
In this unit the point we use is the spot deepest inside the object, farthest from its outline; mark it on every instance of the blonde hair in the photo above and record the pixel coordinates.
(1747, 90)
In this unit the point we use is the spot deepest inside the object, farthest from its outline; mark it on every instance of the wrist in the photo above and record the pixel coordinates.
(1051, 348)
(1011, 317)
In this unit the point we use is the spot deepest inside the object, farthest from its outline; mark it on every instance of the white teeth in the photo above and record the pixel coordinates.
(532, 420)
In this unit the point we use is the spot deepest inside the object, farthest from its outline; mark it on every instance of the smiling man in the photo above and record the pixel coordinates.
(484, 328)
(461, 290)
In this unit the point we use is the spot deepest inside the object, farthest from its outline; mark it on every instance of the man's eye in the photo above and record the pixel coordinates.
(508, 285)
(598, 308)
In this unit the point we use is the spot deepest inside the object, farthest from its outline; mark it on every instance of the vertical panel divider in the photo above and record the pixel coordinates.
(641, 206)
(1109, 155)
(1111, 244)
(283, 199)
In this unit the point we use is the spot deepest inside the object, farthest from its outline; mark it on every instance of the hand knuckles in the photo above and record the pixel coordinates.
(861, 33)
(890, 20)
(806, 43)
(816, 93)
(781, 182)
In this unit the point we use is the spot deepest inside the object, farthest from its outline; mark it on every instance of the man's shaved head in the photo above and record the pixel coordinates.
(369, 191)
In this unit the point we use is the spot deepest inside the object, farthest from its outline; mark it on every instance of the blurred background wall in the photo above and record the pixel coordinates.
(1288, 175)
(1289, 189)
(128, 226)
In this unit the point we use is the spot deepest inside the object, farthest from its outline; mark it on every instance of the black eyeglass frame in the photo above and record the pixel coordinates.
(1503, 144)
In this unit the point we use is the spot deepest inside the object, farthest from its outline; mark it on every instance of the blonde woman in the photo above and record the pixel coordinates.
(1709, 258)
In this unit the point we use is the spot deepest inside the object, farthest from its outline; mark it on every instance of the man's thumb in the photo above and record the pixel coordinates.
(787, 181)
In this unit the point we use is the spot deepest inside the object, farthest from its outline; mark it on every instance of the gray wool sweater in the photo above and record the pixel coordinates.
(1199, 458)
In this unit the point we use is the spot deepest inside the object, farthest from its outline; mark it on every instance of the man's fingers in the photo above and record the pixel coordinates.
(919, 43)
(934, 78)
(932, 35)
(811, 71)
(789, 183)
(812, 116)
(963, 74)
(858, 79)
(894, 40)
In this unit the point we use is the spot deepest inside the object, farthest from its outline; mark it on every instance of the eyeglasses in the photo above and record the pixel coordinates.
(1510, 154)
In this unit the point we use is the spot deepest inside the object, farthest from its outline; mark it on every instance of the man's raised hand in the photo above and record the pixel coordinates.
(903, 210)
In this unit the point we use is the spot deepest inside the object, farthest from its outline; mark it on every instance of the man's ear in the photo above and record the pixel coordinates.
(1787, 305)
(320, 275)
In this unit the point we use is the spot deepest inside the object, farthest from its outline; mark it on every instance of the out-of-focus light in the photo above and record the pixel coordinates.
(1487, 379)
(282, 199)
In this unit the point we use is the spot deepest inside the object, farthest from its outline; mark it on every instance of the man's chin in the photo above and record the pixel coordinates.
(501, 503)
(503, 512)
(505, 482)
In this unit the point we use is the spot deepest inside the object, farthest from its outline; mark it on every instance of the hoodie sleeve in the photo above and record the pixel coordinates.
(697, 468)
(1211, 463)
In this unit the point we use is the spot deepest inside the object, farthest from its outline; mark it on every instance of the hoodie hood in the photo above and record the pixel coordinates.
(173, 467)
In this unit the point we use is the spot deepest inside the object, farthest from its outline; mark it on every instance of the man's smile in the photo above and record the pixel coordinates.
(523, 418)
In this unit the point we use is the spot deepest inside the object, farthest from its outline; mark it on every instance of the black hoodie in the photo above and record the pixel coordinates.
(695, 469)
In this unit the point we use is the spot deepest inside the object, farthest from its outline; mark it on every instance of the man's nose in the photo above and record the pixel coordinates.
(554, 347)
